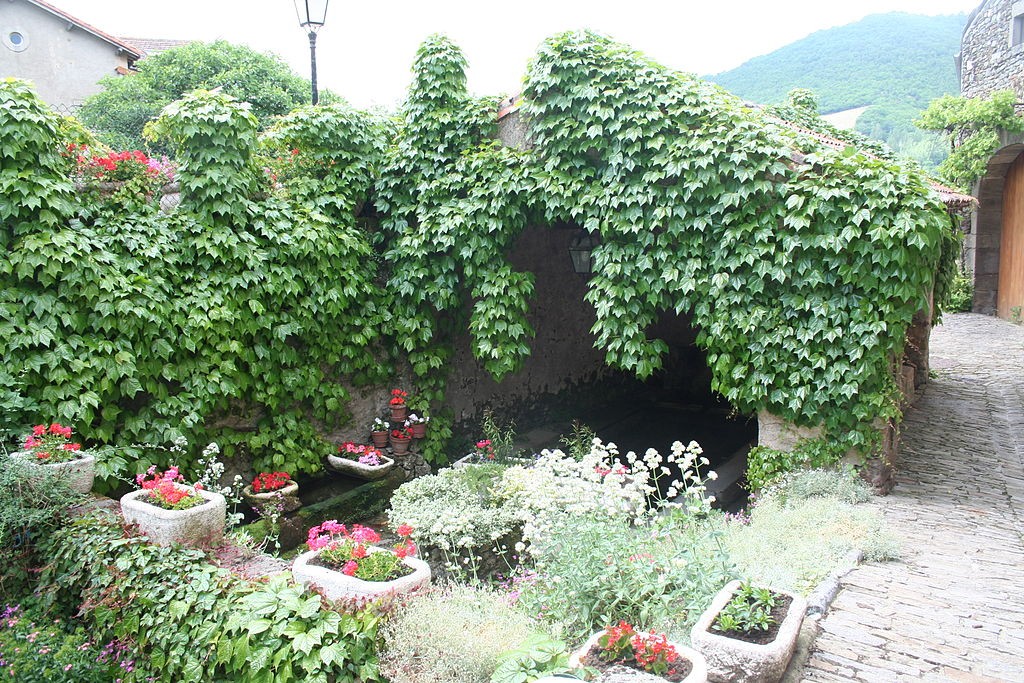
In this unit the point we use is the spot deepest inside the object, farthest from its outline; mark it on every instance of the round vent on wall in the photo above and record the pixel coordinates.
(15, 41)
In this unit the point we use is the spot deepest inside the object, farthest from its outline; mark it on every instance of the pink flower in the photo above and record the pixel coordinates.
(350, 568)
(363, 534)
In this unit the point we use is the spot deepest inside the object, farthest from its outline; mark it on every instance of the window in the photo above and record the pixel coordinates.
(1017, 25)
(15, 41)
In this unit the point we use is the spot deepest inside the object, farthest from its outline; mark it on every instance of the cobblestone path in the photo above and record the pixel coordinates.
(953, 608)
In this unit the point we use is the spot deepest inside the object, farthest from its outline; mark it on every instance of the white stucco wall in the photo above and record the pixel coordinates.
(64, 64)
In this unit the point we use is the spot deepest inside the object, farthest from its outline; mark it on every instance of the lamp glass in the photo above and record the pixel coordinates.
(580, 251)
(311, 13)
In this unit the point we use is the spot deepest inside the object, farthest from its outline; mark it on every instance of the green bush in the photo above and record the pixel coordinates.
(803, 528)
(39, 648)
(188, 620)
(595, 572)
(451, 636)
(33, 504)
(765, 465)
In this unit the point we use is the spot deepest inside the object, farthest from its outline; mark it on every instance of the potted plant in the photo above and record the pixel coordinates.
(483, 452)
(346, 564)
(748, 633)
(51, 447)
(619, 651)
(399, 409)
(168, 511)
(401, 439)
(360, 460)
(379, 432)
(418, 425)
(273, 487)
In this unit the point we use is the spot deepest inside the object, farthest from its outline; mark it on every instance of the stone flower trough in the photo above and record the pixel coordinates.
(197, 526)
(79, 474)
(736, 661)
(337, 585)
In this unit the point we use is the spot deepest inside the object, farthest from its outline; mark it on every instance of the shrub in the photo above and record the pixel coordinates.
(457, 514)
(801, 530)
(38, 648)
(451, 636)
(595, 571)
(765, 465)
(190, 620)
(33, 502)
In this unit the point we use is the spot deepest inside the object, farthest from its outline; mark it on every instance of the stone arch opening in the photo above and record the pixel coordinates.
(998, 234)
(565, 378)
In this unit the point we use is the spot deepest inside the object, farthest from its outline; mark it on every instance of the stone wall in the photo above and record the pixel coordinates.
(563, 355)
(989, 60)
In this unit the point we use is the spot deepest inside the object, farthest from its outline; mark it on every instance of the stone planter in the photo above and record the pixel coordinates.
(198, 526)
(354, 468)
(336, 585)
(730, 659)
(625, 674)
(79, 474)
(289, 497)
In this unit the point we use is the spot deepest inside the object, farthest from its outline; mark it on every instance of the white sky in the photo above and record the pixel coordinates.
(365, 50)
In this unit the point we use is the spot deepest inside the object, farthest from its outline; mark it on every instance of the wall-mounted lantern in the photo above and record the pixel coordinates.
(581, 250)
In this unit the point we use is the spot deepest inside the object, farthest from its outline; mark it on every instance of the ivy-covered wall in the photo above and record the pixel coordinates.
(272, 299)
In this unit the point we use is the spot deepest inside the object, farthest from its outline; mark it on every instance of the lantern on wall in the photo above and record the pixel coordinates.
(581, 251)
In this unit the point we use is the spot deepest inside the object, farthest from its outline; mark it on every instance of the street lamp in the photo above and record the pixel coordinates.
(312, 14)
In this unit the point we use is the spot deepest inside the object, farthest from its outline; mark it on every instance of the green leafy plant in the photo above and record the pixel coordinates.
(765, 465)
(749, 609)
(579, 441)
(971, 125)
(246, 631)
(538, 656)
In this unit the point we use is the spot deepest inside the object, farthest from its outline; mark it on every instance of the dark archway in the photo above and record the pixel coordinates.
(987, 229)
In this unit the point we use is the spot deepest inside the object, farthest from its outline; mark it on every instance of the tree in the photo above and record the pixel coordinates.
(972, 127)
(118, 113)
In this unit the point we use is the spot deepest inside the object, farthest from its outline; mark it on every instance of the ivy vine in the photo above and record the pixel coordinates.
(801, 271)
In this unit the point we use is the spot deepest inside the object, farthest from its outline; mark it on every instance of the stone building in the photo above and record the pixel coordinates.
(992, 58)
(62, 55)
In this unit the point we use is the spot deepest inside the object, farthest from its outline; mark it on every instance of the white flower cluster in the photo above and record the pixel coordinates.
(211, 472)
(558, 489)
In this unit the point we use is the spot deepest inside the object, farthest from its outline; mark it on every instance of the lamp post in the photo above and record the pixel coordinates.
(312, 14)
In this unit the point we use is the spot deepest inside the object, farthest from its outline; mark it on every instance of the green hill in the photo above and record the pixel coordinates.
(895, 63)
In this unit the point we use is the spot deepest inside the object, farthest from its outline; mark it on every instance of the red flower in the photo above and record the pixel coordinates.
(270, 481)
(398, 397)
(404, 530)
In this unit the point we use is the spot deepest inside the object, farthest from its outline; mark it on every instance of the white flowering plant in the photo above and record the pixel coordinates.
(456, 514)
(600, 485)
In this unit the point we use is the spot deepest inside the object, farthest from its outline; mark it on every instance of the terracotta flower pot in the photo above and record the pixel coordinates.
(337, 585)
(196, 526)
(380, 439)
(419, 430)
(400, 446)
(399, 413)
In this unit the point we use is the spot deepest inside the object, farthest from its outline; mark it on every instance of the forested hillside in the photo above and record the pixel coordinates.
(896, 63)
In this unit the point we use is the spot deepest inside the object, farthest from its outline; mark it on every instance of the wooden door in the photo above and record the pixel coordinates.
(1010, 298)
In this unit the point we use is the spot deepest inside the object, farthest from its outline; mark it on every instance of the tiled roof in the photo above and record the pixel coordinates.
(152, 46)
(116, 42)
(950, 197)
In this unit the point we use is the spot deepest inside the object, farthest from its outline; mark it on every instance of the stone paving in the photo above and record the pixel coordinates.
(953, 608)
